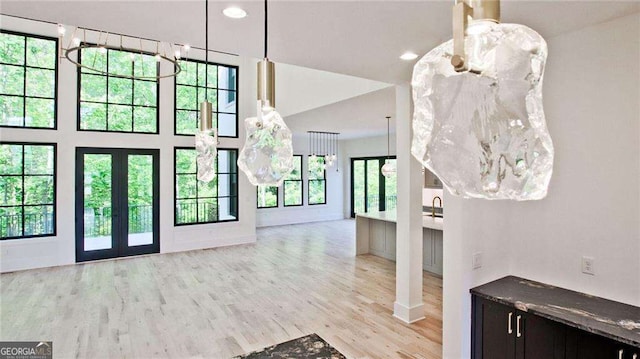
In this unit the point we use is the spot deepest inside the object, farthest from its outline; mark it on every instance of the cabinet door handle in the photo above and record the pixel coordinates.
(620, 353)
(510, 317)
(518, 333)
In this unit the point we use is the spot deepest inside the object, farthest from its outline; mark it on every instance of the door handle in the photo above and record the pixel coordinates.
(635, 356)
(509, 323)
(620, 353)
(518, 333)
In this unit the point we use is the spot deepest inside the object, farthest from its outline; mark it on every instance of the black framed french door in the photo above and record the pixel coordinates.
(370, 190)
(117, 202)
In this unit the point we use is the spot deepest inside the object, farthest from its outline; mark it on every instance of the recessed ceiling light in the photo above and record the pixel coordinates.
(234, 12)
(409, 56)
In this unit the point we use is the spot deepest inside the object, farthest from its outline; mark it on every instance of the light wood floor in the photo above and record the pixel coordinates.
(222, 302)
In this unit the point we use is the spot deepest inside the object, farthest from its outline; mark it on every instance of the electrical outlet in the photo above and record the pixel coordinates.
(587, 265)
(477, 260)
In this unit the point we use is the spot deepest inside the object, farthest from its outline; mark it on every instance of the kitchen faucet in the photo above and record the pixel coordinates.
(433, 206)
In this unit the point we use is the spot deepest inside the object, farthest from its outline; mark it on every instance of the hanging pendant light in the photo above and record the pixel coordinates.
(478, 120)
(388, 169)
(267, 155)
(325, 145)
(331, 156)
(207, 135)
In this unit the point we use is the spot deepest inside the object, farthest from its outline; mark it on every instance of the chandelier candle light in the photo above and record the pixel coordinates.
(388, 169)
(207, 135)
(267, 155)
(324, 144)
(478, 120)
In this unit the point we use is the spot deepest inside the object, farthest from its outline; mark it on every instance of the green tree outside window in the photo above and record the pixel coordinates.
(293, 184)
(317, 180)
(28, 69)
(199, 202)
(267, 196)
(221, 90)
(117, 104)
(27, 201)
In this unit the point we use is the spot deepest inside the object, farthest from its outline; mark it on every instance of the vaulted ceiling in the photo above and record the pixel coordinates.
(357, 38)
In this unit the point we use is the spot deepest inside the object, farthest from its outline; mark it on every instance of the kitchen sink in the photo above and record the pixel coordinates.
(428, 211)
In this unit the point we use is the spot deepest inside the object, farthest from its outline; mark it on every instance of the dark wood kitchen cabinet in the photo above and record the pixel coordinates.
(515, 318)
(502, 332)
(585, 345)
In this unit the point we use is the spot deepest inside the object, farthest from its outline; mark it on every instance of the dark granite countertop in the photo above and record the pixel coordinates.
(614, 320)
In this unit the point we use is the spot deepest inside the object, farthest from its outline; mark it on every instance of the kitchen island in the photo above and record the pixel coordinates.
(376, 234)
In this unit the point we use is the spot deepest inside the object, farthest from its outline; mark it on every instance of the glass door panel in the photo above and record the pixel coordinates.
(140, 200)
(373, 185)
(98, 191)
(117, 197)
(358, 187)
(390, 189)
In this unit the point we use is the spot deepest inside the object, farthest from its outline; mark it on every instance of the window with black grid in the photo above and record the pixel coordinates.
(267, 196)
(28, 80)
(114, 102)
(220, 89)
(317, 180)
(28, 182)
(292, 185)
(198, 202)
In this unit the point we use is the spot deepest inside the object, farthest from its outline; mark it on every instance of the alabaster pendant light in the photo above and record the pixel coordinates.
(478, 121)
(267, 155)
(207, 135)
(388, 169)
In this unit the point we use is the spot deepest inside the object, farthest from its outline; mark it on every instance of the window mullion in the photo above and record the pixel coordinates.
(23, 188)
(24, 89)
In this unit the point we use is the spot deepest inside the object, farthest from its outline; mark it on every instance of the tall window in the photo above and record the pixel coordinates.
(116, 103)
(317, 181)
(28, 197)
(370, 190)
(198, 202)
(267, 196)
(221, 91)
(28, 72)
(293, 184)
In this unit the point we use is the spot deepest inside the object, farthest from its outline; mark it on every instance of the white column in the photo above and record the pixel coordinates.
(408, 306)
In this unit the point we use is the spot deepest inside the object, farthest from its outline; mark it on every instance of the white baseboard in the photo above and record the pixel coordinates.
(281, 219)
(408, 314)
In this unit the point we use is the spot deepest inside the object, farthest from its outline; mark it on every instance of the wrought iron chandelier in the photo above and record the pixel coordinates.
(145, 52)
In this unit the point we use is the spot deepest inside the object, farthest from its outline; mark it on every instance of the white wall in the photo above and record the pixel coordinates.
(428, 194)
(592, 104)
(332, 210)
(302, 89)
(361, 147)
(60, 249)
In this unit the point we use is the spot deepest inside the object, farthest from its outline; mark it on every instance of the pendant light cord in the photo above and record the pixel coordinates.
(206, 49)
(388, 146)
(265, 28)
